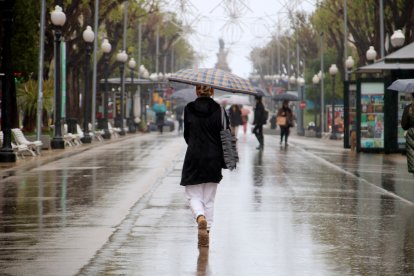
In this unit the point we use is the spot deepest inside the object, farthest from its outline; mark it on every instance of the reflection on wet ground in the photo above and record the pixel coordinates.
(386, 171)
(118, 210)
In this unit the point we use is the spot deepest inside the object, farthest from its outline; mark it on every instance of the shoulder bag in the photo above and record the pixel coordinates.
(281, 120)
(229, 144)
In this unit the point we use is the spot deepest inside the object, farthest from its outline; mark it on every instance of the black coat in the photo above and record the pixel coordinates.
(235, 117)
(204, 157)
(259, 114)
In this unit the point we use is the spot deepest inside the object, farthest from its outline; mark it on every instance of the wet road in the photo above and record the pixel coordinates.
(117, 209)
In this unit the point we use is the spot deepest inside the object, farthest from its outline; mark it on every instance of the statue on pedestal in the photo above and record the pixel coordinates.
(222, 57)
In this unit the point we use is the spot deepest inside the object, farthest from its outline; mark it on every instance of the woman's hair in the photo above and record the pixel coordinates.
(204, 91)
(412, 94)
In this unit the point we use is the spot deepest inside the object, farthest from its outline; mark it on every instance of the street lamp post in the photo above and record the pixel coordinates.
(88, 36)
(106, 48)
(349, 63)
(58, 19)
(301, 84)
(6, 152)
(332, 71)
(322, 80)
(315, 81)
(131, 127)
(143, 72)
(113, 105)
(397, 39)
(371, 54)
(292, 80)
(122, 57)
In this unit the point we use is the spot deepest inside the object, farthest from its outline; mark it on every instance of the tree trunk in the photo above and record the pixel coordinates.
(29, 122)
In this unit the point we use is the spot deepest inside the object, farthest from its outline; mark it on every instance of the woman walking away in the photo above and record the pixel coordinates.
(407, 123)
(286, 114)
(203, 160)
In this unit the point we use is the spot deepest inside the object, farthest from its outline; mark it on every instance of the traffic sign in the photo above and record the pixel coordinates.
(302, 105)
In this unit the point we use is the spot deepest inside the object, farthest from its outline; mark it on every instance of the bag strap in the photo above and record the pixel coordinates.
(223, 119)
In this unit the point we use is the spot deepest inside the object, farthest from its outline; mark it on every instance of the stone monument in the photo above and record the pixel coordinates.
(222, 57)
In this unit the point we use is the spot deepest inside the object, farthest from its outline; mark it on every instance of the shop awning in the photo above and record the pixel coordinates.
(402, 59)
(381, 66)
(403, 55)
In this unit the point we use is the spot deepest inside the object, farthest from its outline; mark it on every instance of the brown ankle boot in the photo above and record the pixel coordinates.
(203, 237)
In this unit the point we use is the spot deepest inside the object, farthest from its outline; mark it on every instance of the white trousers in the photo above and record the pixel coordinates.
(201, 199)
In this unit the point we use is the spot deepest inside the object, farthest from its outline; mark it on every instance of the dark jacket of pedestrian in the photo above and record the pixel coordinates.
(285, 111)
(179, 110)
(407, 123)
(204, 157)
(259, 114)
(235, 116)
(258, 122)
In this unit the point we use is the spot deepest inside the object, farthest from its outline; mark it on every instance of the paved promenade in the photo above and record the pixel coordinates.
(115, 208)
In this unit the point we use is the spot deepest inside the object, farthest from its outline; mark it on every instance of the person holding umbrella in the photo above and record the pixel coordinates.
(203, 160)
(407, 123)
(285, 121)
(159, 108)
(258, 122)
(407, 119)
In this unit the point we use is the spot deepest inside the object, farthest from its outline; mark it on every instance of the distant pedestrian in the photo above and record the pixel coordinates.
(160, 109)
(259, 121)
(286, 114)
(179, 110)
(407, 123)
(245, 118)
(235, 117)
(203, 160)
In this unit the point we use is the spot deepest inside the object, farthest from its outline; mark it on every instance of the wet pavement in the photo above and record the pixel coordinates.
(311, 208)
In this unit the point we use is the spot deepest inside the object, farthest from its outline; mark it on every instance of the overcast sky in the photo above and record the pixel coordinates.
(257, 20)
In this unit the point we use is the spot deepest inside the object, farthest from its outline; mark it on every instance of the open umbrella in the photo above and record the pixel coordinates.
(216, 78)
(261, 92)
(233, 99)
(186, 95)
(285, 96)
(403, 85)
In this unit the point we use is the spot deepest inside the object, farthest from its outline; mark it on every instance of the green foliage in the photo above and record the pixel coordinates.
(27, 95)
(142, 126)
(25, 32)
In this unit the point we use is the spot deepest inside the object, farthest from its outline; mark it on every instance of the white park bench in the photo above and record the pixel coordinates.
(22, 140)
